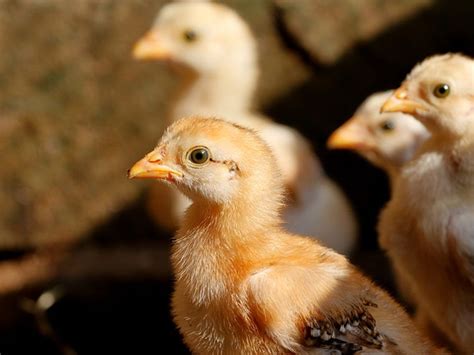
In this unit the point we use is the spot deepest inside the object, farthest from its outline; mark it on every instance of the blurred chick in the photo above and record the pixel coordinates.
(216, 55)
(428, 226)
(245, 285)
(388, 140)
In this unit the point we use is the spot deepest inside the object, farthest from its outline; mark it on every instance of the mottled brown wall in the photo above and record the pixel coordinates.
(327, 29)
(75, 110)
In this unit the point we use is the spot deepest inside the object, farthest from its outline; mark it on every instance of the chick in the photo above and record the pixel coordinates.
(245, 285)
(427, 228)
(388, 140)
(216, 56)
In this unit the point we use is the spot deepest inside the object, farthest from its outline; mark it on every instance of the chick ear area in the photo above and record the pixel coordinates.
(231, 165)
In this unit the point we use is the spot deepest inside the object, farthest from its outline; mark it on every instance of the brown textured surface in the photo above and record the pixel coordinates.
(327, 29)
(76, 110)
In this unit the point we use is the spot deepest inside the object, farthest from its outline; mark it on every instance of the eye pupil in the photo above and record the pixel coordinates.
(199, 156)
(387, 126)
(190, 35)
(442, 90)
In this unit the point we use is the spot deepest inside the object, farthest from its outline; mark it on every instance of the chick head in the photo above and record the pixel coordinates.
(213, 160)
(200, 35)
(386, 139)
(439, 92)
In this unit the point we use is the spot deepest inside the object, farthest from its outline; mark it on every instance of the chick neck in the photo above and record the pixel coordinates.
(225, 89)
(392, 171)
(254, 208)
(458, 150)
(217, 241)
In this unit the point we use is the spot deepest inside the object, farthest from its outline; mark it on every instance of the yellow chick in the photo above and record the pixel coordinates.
(428, 226)
(245, 285)
(216, 56)
(387, 140)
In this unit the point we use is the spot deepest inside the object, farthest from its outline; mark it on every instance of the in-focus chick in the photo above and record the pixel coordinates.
(216, 56)
(428, 226)
(388, 140)
(243, 284)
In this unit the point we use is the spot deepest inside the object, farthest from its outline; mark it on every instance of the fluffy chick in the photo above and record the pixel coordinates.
(388, 140)
(245, 285)
(216, 55)
(428, 226)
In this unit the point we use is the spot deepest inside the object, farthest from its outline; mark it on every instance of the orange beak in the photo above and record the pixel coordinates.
(351, 135)
(151, 167)
(150, 47)
(399, 102)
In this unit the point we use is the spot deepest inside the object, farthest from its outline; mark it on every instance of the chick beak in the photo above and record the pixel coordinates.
(400, 102)
(351, 135)
(150, 47)
(151, 167)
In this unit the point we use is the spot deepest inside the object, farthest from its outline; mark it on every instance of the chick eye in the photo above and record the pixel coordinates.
(387, 126)
(190, 36)
(441, 90)
(199, 155)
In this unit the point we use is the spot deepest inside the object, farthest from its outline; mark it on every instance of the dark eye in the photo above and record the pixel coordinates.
(190, 36)
(387, 126)
(199, 155)
(441, 90)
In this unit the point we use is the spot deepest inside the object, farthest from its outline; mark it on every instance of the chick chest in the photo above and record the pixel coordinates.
(221, 326)
(428, 230)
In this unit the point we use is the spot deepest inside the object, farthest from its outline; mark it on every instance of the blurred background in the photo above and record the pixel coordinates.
(82, 267)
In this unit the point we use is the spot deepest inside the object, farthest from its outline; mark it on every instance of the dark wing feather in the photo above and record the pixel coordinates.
(347, 333)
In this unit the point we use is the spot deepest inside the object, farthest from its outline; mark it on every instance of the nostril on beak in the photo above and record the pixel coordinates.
(156, 156)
